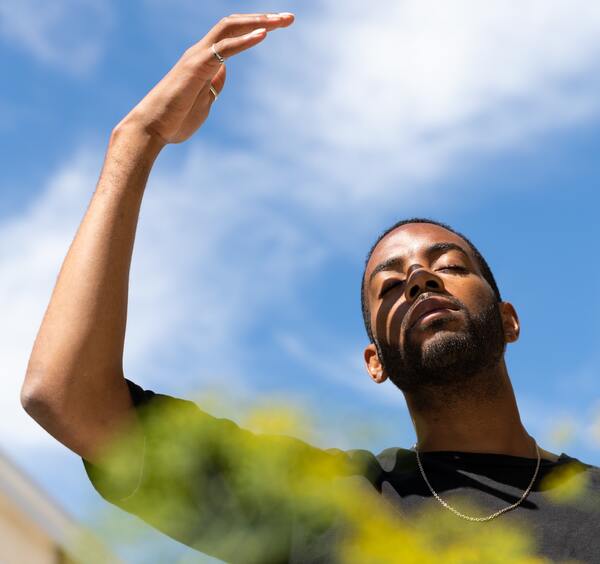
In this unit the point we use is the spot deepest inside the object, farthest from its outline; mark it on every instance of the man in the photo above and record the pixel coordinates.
(438, 330)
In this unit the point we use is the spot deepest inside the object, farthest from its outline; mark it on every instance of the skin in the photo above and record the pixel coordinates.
(476, 420)
(74, 385)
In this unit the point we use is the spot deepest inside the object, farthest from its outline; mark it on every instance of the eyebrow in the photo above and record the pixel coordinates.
(398, 260)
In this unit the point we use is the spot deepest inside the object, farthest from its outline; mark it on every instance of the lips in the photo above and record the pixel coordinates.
(429, 305)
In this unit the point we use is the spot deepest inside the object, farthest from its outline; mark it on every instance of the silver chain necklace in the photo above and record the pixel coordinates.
(493, 515)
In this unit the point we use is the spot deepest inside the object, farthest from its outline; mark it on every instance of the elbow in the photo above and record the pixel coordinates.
(30, 399)
(34, 398)
(41, 405)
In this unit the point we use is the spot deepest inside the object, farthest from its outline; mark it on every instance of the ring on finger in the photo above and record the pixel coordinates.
(216, 54)
(214, 92)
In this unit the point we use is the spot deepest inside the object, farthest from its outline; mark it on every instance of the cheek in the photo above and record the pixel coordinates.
(387, 319)
(474, 293)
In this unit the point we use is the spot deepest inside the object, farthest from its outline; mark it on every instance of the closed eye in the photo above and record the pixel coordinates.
(453, 267)
(392, 284)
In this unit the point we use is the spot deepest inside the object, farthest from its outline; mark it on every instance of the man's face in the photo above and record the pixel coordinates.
(435, 318)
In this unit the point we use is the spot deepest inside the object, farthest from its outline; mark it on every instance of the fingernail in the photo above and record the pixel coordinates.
(286, 14)
(259, 31)
(273, 16)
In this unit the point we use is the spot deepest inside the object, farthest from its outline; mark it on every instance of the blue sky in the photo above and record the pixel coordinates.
(252, 235)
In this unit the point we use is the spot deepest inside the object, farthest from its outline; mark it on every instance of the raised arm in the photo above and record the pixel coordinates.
(74, 385)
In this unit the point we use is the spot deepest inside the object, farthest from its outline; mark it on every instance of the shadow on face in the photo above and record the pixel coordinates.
(423, 283)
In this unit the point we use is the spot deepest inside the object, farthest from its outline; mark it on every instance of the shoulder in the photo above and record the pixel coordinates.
(565, 458)
(572, 466)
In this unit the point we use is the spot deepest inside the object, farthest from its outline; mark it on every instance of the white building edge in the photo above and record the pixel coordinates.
(35, 530)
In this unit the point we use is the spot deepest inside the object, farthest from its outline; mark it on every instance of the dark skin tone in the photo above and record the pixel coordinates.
(434, 261)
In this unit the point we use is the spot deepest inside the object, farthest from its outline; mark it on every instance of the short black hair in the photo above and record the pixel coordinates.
(482, 263)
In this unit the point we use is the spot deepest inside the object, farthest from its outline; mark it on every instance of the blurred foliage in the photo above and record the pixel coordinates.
(237, 494)
(567, 484)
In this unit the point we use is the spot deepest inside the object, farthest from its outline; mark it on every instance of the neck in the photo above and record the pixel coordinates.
(482, 417)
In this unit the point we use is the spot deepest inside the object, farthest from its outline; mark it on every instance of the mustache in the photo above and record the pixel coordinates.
(425, 296)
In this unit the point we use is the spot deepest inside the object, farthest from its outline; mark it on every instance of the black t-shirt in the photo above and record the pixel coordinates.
(216, 487)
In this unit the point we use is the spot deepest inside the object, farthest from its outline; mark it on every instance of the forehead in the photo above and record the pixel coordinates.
(410, 240)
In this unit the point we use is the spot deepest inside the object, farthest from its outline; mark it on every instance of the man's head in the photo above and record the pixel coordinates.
(432, 309)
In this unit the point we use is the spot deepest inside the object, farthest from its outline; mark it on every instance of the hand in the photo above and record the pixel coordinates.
(179, 104)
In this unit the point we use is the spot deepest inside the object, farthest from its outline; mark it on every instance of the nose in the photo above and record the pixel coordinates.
(421, 280)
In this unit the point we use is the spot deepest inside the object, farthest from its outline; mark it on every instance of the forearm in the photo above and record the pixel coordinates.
(79, 346)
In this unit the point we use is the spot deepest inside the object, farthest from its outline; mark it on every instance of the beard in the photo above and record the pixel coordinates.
(450, 359)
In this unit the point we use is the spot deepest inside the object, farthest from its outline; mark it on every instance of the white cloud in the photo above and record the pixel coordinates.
(224, 252)
(382, 101)
(368, 109)
(69, 34)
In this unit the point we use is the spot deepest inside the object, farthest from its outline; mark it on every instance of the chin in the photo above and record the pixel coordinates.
(443, 348)
(438, 330)
(429, 338)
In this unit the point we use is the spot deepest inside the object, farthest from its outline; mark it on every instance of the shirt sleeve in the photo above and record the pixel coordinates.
(216, 487)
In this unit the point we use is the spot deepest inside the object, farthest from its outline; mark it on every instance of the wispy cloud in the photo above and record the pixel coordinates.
(341, 364)
(561, 427)
(381, 102)
(367, 108)
(68, 34)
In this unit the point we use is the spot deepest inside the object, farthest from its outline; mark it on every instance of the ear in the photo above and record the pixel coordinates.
(510, 322)
(374, 366)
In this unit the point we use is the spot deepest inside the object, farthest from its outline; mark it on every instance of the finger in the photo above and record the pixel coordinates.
(286, 16)
(218, 81)
(236, 25)
(203, 101)
(234, 45)
(250, 15)
(205, 96)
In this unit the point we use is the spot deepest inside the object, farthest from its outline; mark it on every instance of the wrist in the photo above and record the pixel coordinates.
(139, 144)
(129, 159)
